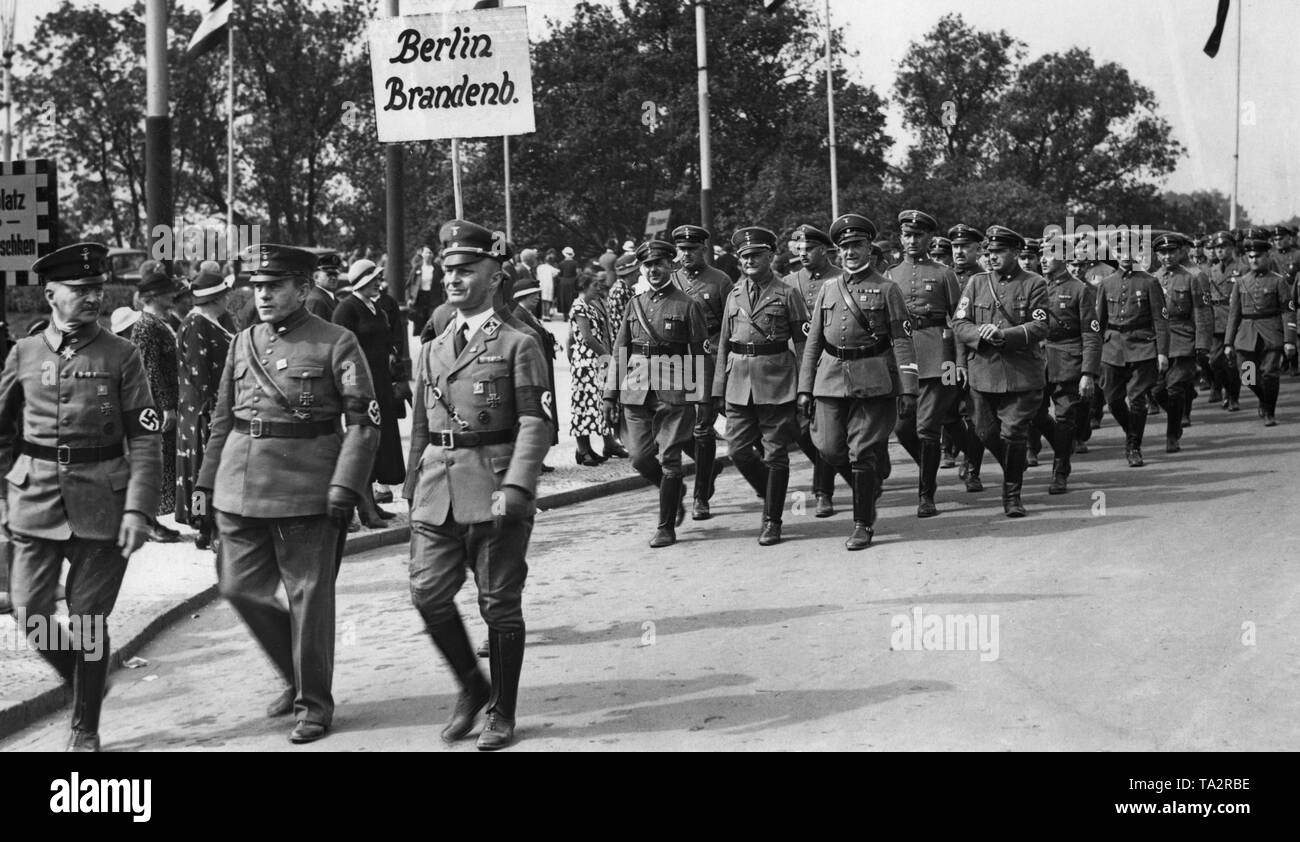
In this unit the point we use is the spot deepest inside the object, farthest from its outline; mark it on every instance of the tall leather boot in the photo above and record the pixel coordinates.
(6, 561)
(1062, 444)
(823, 483)
(907, 437)
(507, 661)
(974, 460)
(670, 496)
(706, 454)
(865, 483)
(930, 453)
(88, 680)
(778, 480)
(452, 641)
(1268, 398)
(752, 469)
(1137, 425)
(1013, 476)
(1173, 420)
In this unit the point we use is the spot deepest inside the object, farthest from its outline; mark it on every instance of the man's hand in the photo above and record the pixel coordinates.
(704, 414)
(1230, 353)
(339, 503)
(805, 404)
(133, 532)
(1290, 351)
(514, 503)
(720, 407)
(991, 334)
(611, 413)
(906, 406)
(1202, 356)
(1087, 388)
(201, 514)
(1162, 362)
(961, 375)
(169, 420)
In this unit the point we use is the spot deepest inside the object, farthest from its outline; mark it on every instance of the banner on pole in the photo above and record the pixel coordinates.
(462, 74)
(656, 222)
(29, 215)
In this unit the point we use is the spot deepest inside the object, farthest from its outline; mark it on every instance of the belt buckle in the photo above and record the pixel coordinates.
(63, 454)
(750, 349)
(447, 439)
(255, 428)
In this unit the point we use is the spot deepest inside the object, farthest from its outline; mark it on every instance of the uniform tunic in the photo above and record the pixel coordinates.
(1260, 322)
(1191, 320)
(931, 293)
(1135, 329)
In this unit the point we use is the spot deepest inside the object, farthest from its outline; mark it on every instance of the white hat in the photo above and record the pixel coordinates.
(568, 251)
(629, 247)
(361, 273)
(123, 318)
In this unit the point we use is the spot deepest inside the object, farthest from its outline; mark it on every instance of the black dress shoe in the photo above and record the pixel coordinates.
(825, 506)
(498, 733)
(547, 469)
(83, 741)
(385, 496)
(283, 704)
(383, 515)
(164, 535)
(307, 732)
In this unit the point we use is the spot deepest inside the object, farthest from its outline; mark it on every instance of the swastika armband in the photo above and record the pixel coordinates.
(142, 422)
(536, 401)
(361, 412)
(1039, 314)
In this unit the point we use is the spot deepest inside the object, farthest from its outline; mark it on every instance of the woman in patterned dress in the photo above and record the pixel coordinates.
(588, 357)
(205, 339)
(157, 343)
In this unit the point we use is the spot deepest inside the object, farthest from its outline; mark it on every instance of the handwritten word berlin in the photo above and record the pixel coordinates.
(459, 45)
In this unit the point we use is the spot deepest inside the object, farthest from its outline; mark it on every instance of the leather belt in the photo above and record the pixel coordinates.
(453, 440)
(1131, 328)
(259, 429)
(760, 349)
(922, 322)
(1064, 335)
(857, 353)
(65, 455)
(667, 348)
(1261, 315)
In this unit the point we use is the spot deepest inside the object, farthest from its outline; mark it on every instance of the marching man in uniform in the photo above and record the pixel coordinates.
(1135, 351)
(709, 286)
(481, 428)
(1191, 323)
(1002, 321)
(757, 373)
(858, 372)
(281, 478)
(1261, 324)
(663, 377)
(81, 451)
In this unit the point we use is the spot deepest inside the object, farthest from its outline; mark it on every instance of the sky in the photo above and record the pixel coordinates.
(1159, 42)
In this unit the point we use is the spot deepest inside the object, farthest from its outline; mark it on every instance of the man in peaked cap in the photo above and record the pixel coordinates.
(280, 477)
(710, 287)
(1191, 325)
(1261, 324)
(321, 298)
(80, 446)
(941, 250)
(811, 245)
(967, 246)
(661, 374)
(1134, 325)
(858, 372)
(1223, 271)
(481, 426)
(930, 292)
(756, 377)
(1002, 320)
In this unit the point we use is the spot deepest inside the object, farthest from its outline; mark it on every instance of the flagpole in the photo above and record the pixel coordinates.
(395, 234)
(505, 140)
(1236, 144)
(230, 132)
(706, 164)
(830, 115)
(455, 177)
(157, 128)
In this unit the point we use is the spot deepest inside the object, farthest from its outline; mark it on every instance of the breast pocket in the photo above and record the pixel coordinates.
(828, 315)
(877, 316)
(309, 379)
(774, 319)
(676, 329)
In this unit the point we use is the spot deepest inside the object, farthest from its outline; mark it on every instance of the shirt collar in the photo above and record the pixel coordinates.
(475, 322)
(291, 321)
(57, 339)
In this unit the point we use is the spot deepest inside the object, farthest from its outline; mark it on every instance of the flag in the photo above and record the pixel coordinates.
(772, 5)
(211, 30)
(1220, 18)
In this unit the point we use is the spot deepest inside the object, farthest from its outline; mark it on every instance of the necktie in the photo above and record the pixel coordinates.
(462, 335)
(753, 295)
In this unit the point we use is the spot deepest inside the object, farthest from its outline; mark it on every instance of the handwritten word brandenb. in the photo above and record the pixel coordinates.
(459, 45)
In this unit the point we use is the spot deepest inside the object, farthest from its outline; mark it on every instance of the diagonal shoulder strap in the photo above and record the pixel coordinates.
(852, 305)
(644, 322)
(997, 302)
(267, 383)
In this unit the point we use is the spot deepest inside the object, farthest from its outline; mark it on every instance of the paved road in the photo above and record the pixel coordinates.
(1165, 620)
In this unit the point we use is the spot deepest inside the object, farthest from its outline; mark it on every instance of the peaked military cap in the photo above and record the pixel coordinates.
(1283, 231)
(918, 220)
(686, 235)
(275, 261)
(464, 242)
(962, 234)
(999, 235)
(852, 228)
(625, 265)
(1032, 246)
(655, 250)
(752, 238)
(1255, 239)
(809, 234)
(879, 247)
(940, 245)
(1222, 238)
(80, 264)
(1169, 241)
(333, 261)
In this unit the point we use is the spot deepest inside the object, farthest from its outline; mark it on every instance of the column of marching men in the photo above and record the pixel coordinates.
(986, 354)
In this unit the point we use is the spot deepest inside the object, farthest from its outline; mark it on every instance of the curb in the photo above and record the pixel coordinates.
(24, 713)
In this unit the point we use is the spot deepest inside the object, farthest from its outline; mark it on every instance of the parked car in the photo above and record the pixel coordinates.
(124, 265)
